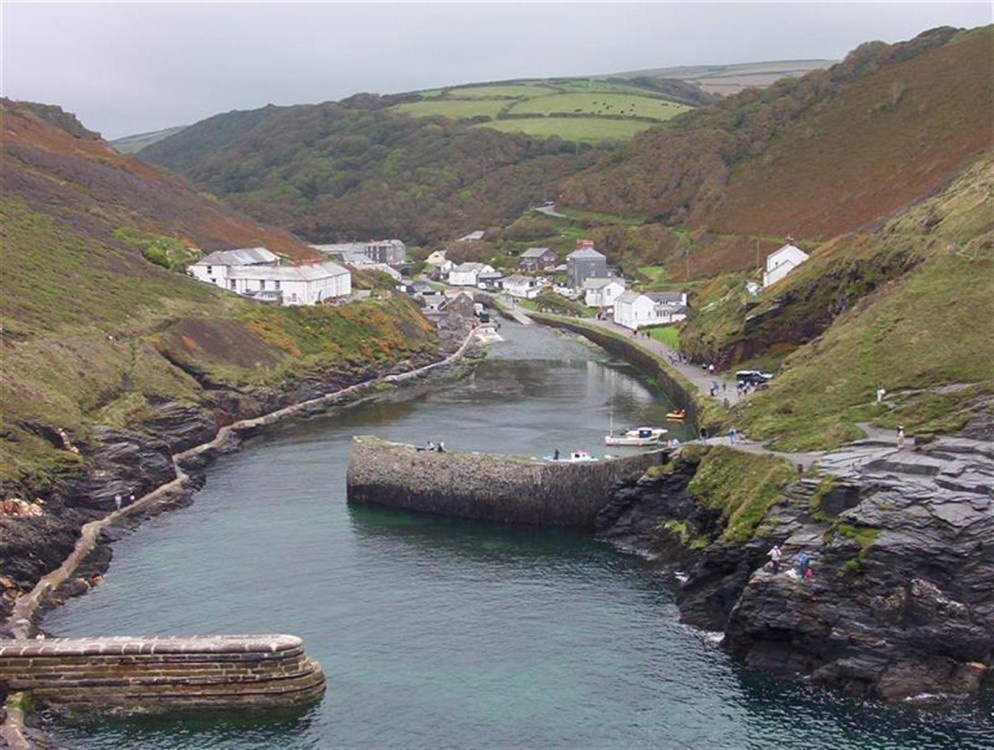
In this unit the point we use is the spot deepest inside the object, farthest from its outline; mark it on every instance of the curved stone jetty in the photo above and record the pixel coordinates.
(135, 675)
(487, 486)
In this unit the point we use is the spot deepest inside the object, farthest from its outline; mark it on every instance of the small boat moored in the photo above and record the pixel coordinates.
(639, 437)
(681, 414)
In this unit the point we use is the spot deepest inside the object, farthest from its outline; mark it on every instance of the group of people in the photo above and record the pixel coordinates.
(119, 500)
(432, 446)
(803, 562)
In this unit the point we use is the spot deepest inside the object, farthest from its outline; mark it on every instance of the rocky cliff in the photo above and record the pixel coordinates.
(900, 604)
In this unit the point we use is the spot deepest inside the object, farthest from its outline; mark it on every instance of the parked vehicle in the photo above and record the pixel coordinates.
(753, 377)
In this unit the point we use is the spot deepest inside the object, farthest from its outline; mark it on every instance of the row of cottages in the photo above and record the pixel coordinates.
(782, 262)
(256, 272)
(388, 252)
(634, 310)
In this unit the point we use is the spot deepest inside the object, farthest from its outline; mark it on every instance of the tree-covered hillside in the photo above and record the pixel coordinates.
(345, 171)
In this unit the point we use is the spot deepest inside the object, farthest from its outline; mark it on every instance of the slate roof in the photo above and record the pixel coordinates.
(536, 252)
(246, 256)
(309, 272)
(586, 252)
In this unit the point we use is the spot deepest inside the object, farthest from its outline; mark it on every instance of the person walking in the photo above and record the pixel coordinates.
(117, 501)
(775, 554)
(900, 436)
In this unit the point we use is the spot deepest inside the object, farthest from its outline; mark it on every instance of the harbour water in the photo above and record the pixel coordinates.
(437, 633)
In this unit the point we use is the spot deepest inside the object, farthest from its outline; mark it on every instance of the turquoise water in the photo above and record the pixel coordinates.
(437, 633)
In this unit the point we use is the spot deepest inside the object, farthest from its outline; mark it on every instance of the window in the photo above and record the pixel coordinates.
(232, 283)
(262, 284)
(276, 284)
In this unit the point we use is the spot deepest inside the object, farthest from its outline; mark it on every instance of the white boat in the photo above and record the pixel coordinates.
(639, 437)
(656, 432)
(573, 457)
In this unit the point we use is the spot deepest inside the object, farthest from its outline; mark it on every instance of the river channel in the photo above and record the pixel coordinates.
(436, 633)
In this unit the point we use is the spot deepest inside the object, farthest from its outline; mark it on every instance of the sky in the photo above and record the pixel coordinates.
(125, 68)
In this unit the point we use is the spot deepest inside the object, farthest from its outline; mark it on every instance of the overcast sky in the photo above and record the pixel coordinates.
(131, 67)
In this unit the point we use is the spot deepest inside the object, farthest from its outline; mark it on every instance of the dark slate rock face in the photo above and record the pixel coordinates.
(120, 462)
(902, 545)
(181, 426)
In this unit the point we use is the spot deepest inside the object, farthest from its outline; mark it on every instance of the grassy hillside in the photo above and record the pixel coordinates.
(94, 333)
(831, 152)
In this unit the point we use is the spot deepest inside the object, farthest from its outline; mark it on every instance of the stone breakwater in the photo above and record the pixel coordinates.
(132, 675)
(486, 486)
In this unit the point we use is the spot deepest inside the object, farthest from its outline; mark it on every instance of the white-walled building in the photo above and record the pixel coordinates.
(213, 268)
(782, 262)
(468, 274)
(308, 284)
(634, 310)
(255, 272)
(599, 292)
(522, 287)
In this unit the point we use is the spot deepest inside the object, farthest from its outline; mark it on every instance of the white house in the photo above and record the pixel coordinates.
(214, 268)
(601, 292)
(523, 287)
(782, 262)
(634, 310)
(468, 274)
(307, 284)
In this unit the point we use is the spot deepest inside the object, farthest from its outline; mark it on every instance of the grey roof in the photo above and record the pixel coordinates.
(535, 252)
(598, 282)
(629, 295)
(586, 252)
(666, 297)
(519, 279)
(309, 272)
(246, 256)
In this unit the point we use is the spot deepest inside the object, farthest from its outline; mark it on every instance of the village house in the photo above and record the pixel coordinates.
(598, 292)
(256, 273)
(213, 268)
(468, 274)
(538, 259)
(389, 252)
(522, 287)
(584, 263)
(782, 262)
(636, 310)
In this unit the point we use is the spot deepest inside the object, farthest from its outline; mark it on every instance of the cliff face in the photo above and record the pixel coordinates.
(900, 602)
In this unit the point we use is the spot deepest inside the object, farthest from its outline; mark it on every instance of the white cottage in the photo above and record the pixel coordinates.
(634, 310)
(782, 262)
(523, 287)
(468, 274)
(214, 268)
(308, 284)
(598, 292)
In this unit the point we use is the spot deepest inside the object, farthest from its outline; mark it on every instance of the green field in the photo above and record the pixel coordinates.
(595, 103)
(582, 129)
(511, 91)
(578, 110)
(454, 109)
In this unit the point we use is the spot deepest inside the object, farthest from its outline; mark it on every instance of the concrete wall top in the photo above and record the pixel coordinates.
(122, 645)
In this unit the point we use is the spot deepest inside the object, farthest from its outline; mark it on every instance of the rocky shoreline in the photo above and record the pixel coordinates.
(157, 467)
(900, 606)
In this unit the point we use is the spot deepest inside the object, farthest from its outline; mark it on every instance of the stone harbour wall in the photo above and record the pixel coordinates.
(132, 675)
(486, 486)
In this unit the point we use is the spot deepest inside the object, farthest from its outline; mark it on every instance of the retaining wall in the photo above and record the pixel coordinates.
(156, 675)
(486, 486)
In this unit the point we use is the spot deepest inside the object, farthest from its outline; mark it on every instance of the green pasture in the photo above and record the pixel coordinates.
(592, 129)
(510, 91)
(593, 103)
(454, 109)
